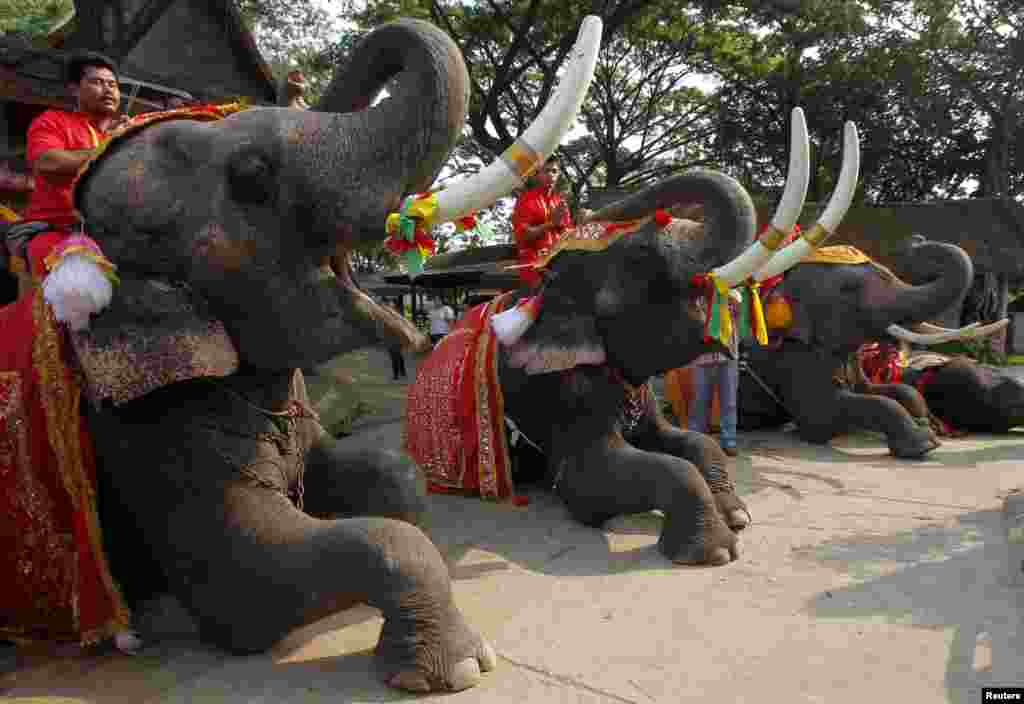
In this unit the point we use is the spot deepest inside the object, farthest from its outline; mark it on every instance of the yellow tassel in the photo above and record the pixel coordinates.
(757, 314)
(725, 335)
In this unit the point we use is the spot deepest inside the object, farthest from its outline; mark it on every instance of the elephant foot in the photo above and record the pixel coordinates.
(734, 510)
(712, 545)
(922, 441)
(432, 658)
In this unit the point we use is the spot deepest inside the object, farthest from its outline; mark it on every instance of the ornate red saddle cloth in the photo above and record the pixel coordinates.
(455, 416)
(54, 580)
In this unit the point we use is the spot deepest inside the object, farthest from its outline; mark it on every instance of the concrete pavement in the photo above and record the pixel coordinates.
(863, 578)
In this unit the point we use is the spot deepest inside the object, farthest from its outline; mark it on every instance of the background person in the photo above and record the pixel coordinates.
(395, 350)
(718, 370)
(441, 319)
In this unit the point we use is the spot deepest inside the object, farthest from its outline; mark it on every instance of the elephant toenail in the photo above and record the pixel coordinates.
(465, 674)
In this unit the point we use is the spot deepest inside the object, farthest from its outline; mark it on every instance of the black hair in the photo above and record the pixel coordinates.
(75, 67)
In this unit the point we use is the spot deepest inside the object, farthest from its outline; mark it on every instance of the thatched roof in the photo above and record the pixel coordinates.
(477, 267)
(990, 230)
(186, 48)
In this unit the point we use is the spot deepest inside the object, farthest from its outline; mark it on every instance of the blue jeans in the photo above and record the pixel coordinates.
(726, 376)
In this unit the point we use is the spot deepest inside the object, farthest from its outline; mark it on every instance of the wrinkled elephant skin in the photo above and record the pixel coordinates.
(229, 226)
(833, 310)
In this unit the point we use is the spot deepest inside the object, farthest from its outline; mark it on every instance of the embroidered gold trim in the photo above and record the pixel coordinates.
(61, 395)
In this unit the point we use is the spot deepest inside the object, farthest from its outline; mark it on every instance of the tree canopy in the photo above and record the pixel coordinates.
(936, 87)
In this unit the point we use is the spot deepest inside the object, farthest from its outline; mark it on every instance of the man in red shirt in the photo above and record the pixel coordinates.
(61, 142)
(65, 591)
(539, 219)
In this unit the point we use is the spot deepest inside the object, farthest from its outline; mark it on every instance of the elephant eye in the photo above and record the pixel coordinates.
(250, 177)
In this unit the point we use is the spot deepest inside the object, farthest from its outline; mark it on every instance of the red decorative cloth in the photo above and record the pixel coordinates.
(455, 416)
(55, 583)
(534, 207)
(57, 129)
(881, 363)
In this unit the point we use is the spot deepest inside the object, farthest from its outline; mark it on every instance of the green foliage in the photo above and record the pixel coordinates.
(343, 425)
(31, 17)
(936, 87)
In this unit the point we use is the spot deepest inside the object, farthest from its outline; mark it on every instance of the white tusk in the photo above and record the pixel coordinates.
(786, 214)
(967, 332)
(928, 327)
(918, 338)
(532, 148)
(826, 226)
(984, 330)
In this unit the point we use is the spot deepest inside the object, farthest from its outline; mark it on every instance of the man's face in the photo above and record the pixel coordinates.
(98, 91)
(550, 173)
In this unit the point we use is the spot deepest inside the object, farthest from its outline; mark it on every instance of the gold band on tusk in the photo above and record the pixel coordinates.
(772, 238)
(522, 159)
(816, 235)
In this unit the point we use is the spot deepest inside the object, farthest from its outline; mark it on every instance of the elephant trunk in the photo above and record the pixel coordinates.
(354, 159)
(952, 273)
(730, 219)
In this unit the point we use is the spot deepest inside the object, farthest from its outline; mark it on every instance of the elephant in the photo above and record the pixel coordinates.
(966, 394)
(215, 482)
(961, 393)
(574, 380)
(818, 315)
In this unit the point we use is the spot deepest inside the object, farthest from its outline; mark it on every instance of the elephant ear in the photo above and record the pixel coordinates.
(153, 334)
(565, 334)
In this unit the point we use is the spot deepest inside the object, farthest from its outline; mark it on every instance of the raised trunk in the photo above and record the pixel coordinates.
(952, 275)
(730, 220)
(359, 161)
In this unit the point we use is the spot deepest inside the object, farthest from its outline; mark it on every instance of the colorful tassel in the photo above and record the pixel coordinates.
(466, 222)
(409, 229)
(759, 331)
(510, 325)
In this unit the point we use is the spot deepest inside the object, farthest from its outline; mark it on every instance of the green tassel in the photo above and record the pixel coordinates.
(413, 260)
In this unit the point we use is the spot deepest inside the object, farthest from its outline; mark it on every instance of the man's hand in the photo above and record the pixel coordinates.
(119, 122)
(559, 214)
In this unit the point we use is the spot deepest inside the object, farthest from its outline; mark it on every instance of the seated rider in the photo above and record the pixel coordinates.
(539, 218)
(63, 589)
(60, 142)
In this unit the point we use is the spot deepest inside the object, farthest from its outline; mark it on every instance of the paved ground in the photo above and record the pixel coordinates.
(863, 578)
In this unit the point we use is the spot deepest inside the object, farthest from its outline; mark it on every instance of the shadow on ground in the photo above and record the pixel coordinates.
(952, 578)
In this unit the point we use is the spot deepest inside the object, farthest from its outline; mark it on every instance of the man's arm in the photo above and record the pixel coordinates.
(61, 162)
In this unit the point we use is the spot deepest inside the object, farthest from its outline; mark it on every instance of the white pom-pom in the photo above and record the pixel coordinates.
(509, 326)
(76, 289)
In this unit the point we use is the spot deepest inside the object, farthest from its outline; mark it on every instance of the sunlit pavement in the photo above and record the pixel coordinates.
(863, 578)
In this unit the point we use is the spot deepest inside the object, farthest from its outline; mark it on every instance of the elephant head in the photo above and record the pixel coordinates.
(640, 304)
(224, 231)
(837, 307)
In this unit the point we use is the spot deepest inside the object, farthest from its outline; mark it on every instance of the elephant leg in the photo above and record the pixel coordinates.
(606, 481)
(287, 569)
(709, 459)
(907, 437)
(906, 396)
(363, 482)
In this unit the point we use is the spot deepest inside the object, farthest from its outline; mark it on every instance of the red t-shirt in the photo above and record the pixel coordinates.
(534, 207)
(56, 129)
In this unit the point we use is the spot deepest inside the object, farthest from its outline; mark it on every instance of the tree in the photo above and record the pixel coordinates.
(975, 51)
(645, 115)
(31, 16)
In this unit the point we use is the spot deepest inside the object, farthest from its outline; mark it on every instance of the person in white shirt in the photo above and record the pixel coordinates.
(441, 319)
